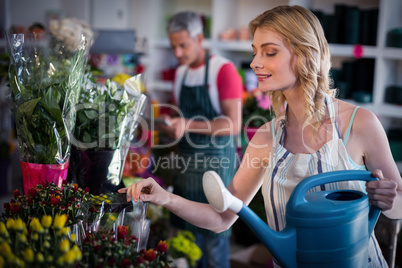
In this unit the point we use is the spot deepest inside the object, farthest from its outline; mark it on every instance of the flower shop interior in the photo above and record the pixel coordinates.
(127, 49)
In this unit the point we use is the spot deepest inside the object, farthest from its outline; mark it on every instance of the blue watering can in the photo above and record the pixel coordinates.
(323, 229)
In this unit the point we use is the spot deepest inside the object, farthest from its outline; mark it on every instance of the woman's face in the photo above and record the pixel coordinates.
(273, 63)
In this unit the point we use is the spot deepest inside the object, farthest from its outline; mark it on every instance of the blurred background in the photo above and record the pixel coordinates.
(365, 39)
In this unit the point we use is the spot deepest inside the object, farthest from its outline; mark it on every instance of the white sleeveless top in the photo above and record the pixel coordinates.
(286, 170)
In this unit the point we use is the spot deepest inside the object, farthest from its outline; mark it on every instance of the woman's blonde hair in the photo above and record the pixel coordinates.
(304, 35)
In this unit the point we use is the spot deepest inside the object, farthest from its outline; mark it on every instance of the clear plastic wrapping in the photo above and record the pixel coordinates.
(45, 78)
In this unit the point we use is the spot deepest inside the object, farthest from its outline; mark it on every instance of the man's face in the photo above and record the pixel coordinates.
(185, 48)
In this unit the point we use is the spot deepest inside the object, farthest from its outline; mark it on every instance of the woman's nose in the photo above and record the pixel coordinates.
(255, 64)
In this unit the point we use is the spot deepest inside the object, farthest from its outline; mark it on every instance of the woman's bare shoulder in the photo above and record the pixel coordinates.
(362, 117)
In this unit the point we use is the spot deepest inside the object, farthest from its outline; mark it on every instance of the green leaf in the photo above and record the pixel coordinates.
(87, 137)
(26, 109)
(91, 114)
(51, 103)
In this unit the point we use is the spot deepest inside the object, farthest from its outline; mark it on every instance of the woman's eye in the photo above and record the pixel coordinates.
(271, 54)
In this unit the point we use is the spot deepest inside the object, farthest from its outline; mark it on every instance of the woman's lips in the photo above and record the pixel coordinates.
(262, 77)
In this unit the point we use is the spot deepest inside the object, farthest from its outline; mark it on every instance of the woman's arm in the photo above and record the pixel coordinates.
(371, 137)
(244, 185)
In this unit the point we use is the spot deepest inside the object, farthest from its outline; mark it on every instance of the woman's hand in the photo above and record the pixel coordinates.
(381, 193)
(147, 190)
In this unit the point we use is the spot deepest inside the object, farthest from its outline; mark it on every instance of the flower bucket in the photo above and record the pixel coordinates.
(100, 171)
(32, 174)
(45, 78)
(250, 131)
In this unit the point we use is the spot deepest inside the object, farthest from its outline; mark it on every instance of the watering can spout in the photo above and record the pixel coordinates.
(280, 244)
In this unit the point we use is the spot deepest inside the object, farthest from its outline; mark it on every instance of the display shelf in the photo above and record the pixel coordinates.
(341, 50)
(392, 53)
(389, 110)
(160, 85)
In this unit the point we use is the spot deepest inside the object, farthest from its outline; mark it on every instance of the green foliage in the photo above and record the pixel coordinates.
(254, 115)
(103, 116)
(183, 245)
(44, 95)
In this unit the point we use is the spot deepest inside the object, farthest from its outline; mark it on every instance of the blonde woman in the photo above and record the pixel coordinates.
(312, 133)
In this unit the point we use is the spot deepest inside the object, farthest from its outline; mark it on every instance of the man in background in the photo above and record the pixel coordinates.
(208, 92)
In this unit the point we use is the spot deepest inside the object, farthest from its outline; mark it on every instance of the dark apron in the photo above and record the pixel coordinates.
(202, 152)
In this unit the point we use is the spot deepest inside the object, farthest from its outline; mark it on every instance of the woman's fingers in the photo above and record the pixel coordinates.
(381, 193)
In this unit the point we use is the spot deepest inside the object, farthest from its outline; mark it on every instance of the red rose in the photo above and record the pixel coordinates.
(139, 260)
(29, 201)
(98, 248)
(122, 231)
(55, 200)
(15, 208)
(32, 192)
(112, 261)
(92, 209)
(16, 193)
(86, 190)
(162, 246)
(125, 263)
(150, 255)
(6, 206)
(75, 187)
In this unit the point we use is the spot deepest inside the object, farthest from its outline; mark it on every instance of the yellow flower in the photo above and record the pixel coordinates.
(22, 237)
(46, 221)
(78, 253)
(5, 249)
(19, 263)
(60, 261)
(10, 223)
(1, 262)
(120, 78)
(69, 257)
(60, 221)
(63, 231)
(34, 236)
(36, 226)
(49, 258)
(19, 224)
(3, 229)
(46, 244)
(112, 218)
(29, 255)
(64, 245)
(39, 257)
(73, 237)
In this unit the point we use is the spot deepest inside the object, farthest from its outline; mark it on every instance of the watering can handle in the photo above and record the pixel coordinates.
(298, 196)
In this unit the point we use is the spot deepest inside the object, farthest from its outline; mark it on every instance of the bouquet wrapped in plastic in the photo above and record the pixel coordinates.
(107, 116)
(45, 76)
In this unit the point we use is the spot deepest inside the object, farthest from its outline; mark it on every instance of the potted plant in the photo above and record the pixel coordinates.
(256, 112)
(45, 76)
(107, 115)
(183, 249)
